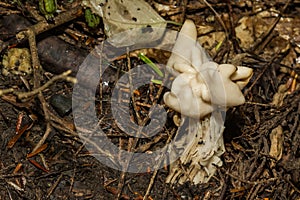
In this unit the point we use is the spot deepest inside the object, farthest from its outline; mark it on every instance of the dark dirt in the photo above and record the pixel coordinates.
(65, 169)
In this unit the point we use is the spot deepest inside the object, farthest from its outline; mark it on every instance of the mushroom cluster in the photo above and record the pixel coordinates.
(201, 92)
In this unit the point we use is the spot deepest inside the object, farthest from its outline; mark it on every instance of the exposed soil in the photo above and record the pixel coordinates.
(262, 137)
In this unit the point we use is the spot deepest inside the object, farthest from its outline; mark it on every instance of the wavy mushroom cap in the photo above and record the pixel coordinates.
(186, 50)
(202, 85)
(242, 76)
(197, 94)
(186, 99)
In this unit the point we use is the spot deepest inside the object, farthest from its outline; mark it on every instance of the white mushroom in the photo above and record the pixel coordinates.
(201, 90)
(185, 49)
(242, 76)
(201, 85)
(183, 98)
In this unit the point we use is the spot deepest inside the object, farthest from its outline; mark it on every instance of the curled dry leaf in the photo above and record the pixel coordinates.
(250, 28)
(276, 138)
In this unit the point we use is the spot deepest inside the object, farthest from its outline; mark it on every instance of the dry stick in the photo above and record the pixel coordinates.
(157, 166)
(140, 122)
(258, 104)
(224, 188)
(6, 5)
(265, 67)
(253, 192)
(52, 188)
(72, 180)
(6, 91)
(103, 152)
(71, 135)
(9, 194)
(63, 76)
(168, 141)
(259, 170)
(36, 82)
(250, 182)
(43, 26)
(223, 191)
(145, 147)
(100, 82)
(131, 90)
(219, 18)
(87, 139)
(226, 53)
(34, 13)
(30, 35)
(59, 20)
(185, 2)
(265, 36)
(235, 43)
(135, 140)
(160, 160)
(292, 184)
(293, 131)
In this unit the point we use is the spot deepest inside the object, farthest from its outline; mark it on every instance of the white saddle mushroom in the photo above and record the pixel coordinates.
(201, 84)
(200, 88)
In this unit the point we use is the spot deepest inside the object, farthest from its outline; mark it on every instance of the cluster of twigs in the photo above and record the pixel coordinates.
(51, 119)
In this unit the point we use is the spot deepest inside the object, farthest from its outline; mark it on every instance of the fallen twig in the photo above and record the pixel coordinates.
(63, 76)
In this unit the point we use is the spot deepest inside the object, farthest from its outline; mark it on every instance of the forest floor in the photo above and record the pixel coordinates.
(43, 157)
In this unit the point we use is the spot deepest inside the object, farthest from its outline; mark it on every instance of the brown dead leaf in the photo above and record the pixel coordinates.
(276, 138)
(249, 29)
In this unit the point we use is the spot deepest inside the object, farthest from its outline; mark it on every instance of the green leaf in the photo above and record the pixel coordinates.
(151, 64)
(159, 82)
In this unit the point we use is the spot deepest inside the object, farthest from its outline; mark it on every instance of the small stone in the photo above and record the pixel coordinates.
(61, 104)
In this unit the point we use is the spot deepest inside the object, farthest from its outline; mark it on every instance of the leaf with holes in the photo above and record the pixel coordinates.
(128, 22)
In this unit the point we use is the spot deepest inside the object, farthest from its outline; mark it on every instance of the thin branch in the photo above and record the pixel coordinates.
(219, 18)
(63, 76)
